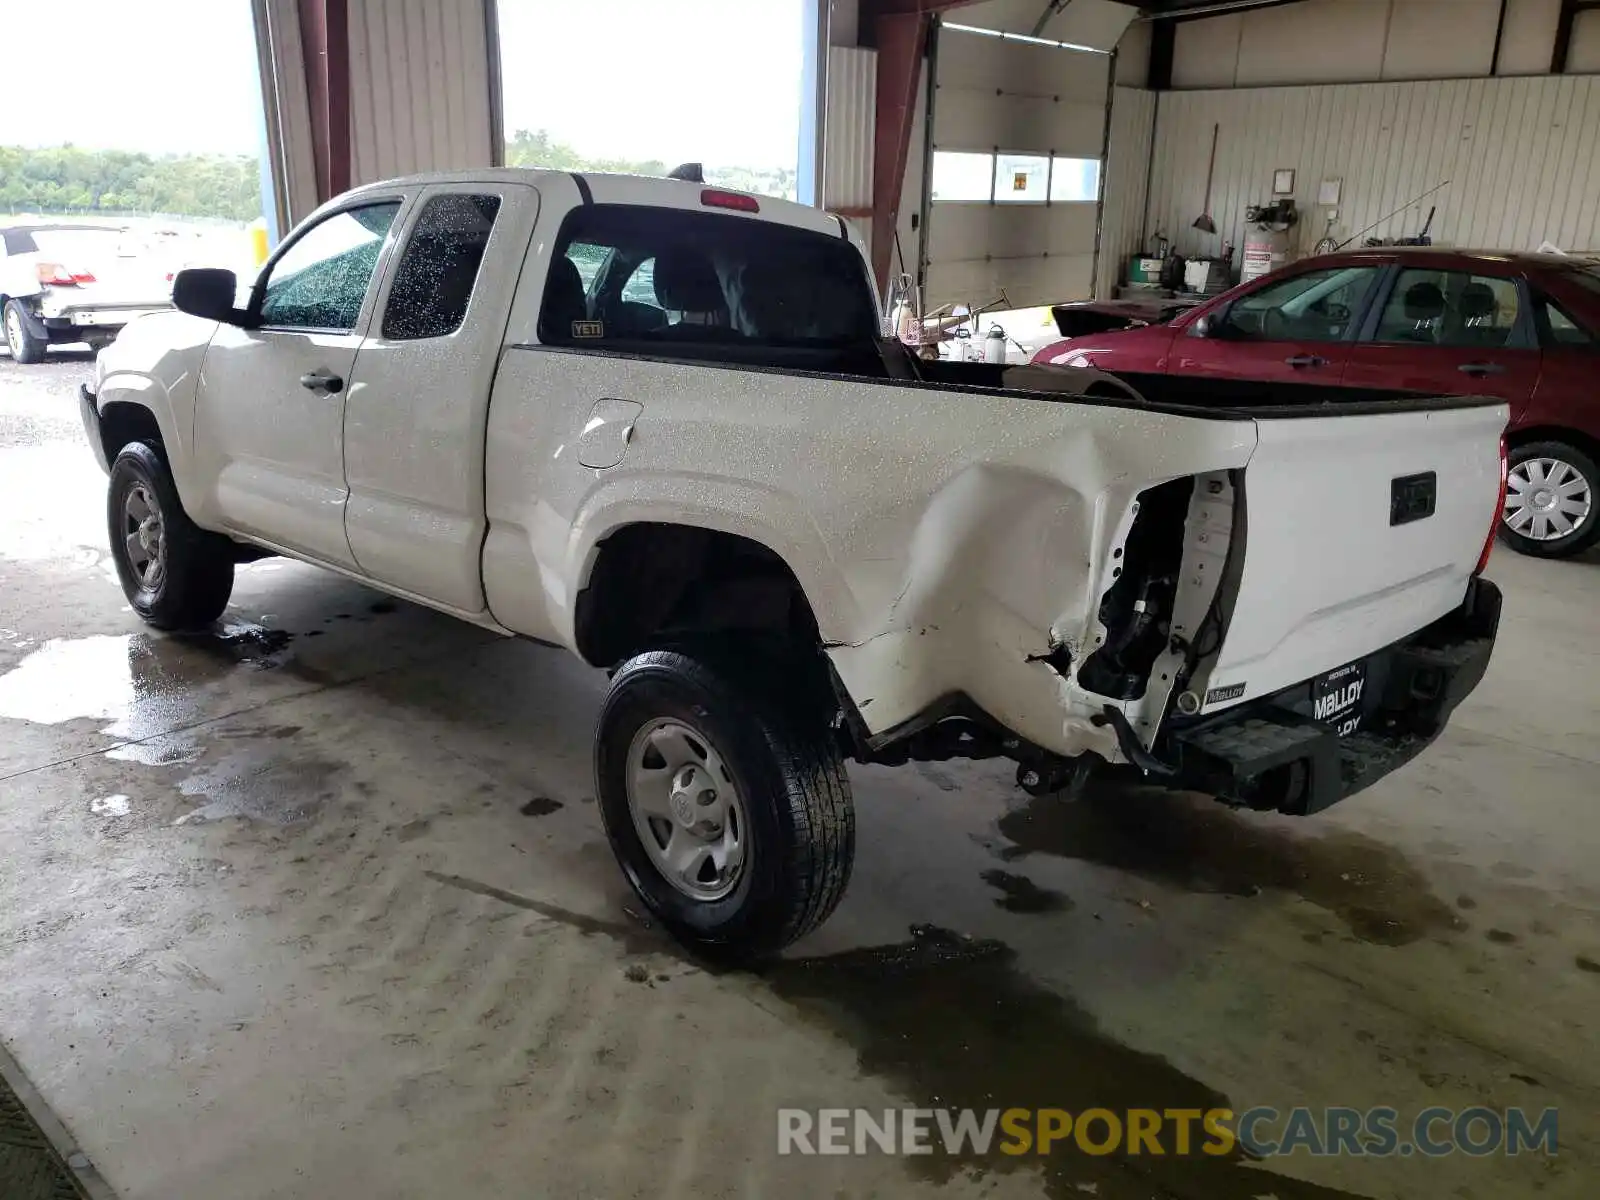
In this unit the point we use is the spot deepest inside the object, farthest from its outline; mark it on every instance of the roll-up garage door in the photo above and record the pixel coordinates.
(1017, 139)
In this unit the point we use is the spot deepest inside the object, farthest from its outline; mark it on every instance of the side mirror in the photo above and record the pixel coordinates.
(1206, 327)
(207, 292)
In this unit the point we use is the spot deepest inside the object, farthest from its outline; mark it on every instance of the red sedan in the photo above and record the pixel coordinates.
(1523, 327)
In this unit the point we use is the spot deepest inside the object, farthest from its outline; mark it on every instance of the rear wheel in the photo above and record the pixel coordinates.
(175, 574)
(24, 347)
(724, 798)
(1552, 509)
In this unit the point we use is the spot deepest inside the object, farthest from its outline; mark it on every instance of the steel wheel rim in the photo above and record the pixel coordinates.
(1547, 499)
(13, 332)
(144, 537)
(686, 809)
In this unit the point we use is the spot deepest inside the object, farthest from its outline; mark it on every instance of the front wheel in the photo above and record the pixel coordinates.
(175, 574)
(1551, 509)
(24, 347)
(725, 799)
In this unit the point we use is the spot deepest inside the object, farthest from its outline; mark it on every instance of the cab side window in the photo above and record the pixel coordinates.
(322, 279)
(1316, 306)
(437, 271)
(1450, 308)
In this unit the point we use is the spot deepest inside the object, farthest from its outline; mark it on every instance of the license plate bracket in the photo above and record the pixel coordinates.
(1336, 697)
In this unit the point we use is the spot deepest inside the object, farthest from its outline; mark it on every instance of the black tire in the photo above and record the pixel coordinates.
(24, 347)
(781, 755)
(196, 578)
(1587, 530)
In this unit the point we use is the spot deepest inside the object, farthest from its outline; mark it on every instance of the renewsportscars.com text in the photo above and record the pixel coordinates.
(1258, 1132)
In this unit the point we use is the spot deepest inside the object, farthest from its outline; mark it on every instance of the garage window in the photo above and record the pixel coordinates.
(962, 176)
(439, 267)
(1021, 178)
(1075, 180)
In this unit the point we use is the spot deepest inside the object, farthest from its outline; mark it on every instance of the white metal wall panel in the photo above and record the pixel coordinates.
(422, 91)
(852, 101)
(1122, 231)
(977, 120)
(1017, 97)
(1339, 41)
(287, 106)
(979, 63)
(1520, 155)
(1097, 24)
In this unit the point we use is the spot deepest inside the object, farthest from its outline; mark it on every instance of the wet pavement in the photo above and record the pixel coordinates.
(318, 902)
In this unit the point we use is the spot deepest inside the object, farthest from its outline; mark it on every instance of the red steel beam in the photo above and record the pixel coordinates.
(325, 45)
(902, 39)
(899, 29)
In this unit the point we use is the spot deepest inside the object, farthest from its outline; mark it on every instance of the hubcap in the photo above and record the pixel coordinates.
(1547, 499)
(143, 536)
(13, 332)
(686, 809)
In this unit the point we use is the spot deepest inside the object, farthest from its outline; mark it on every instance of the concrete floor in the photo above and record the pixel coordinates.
(319, 905)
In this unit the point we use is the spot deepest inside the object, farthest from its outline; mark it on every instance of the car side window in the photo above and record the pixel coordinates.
(1558, 328)
(1314, 306)
(437, 271)
(322, 278)
(1449, 308)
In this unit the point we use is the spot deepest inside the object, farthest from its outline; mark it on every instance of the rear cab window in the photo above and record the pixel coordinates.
(709, 286)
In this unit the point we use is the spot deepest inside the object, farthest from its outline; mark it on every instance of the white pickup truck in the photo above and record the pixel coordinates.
(655, 422)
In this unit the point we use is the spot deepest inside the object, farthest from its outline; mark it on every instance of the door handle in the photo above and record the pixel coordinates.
(1479, 370)
(322, 381)
(1306, 360)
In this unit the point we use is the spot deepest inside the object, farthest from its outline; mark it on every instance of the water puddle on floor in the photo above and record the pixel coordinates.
(138, 682)
(950, 1022)
(1198, 845)
(110, 806)
(262, 784)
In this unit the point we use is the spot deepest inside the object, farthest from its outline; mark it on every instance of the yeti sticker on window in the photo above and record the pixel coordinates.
(588, 329)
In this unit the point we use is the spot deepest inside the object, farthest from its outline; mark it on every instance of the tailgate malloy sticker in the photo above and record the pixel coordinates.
(1232, 692)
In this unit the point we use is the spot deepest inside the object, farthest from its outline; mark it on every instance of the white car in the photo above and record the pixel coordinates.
(73, 283)
(654, 422)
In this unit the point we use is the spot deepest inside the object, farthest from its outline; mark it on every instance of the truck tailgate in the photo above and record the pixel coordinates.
(1360, 529)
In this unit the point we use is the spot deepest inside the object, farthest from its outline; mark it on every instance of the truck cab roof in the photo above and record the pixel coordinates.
(602, 188)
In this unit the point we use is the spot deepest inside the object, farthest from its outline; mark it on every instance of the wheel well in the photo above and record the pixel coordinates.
(121, 423)
(1555, 433)
(653, 581)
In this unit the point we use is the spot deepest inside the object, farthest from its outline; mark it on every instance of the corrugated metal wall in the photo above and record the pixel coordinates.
(422, 91)
(847, 162)
(287, 109)
(1127, 171)
(1520, 155)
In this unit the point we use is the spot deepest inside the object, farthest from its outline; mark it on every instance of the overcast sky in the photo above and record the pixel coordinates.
(714, 80)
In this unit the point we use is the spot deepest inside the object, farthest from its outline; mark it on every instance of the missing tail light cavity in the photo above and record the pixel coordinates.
(1136, 609)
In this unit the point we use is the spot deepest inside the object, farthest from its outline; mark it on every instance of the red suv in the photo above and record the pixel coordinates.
(1523, 327)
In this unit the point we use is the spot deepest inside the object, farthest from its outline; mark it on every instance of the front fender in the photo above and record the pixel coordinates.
(154, 364)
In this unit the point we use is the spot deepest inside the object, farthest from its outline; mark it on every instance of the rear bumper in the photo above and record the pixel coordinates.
(1271, 754)
(75, 322)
